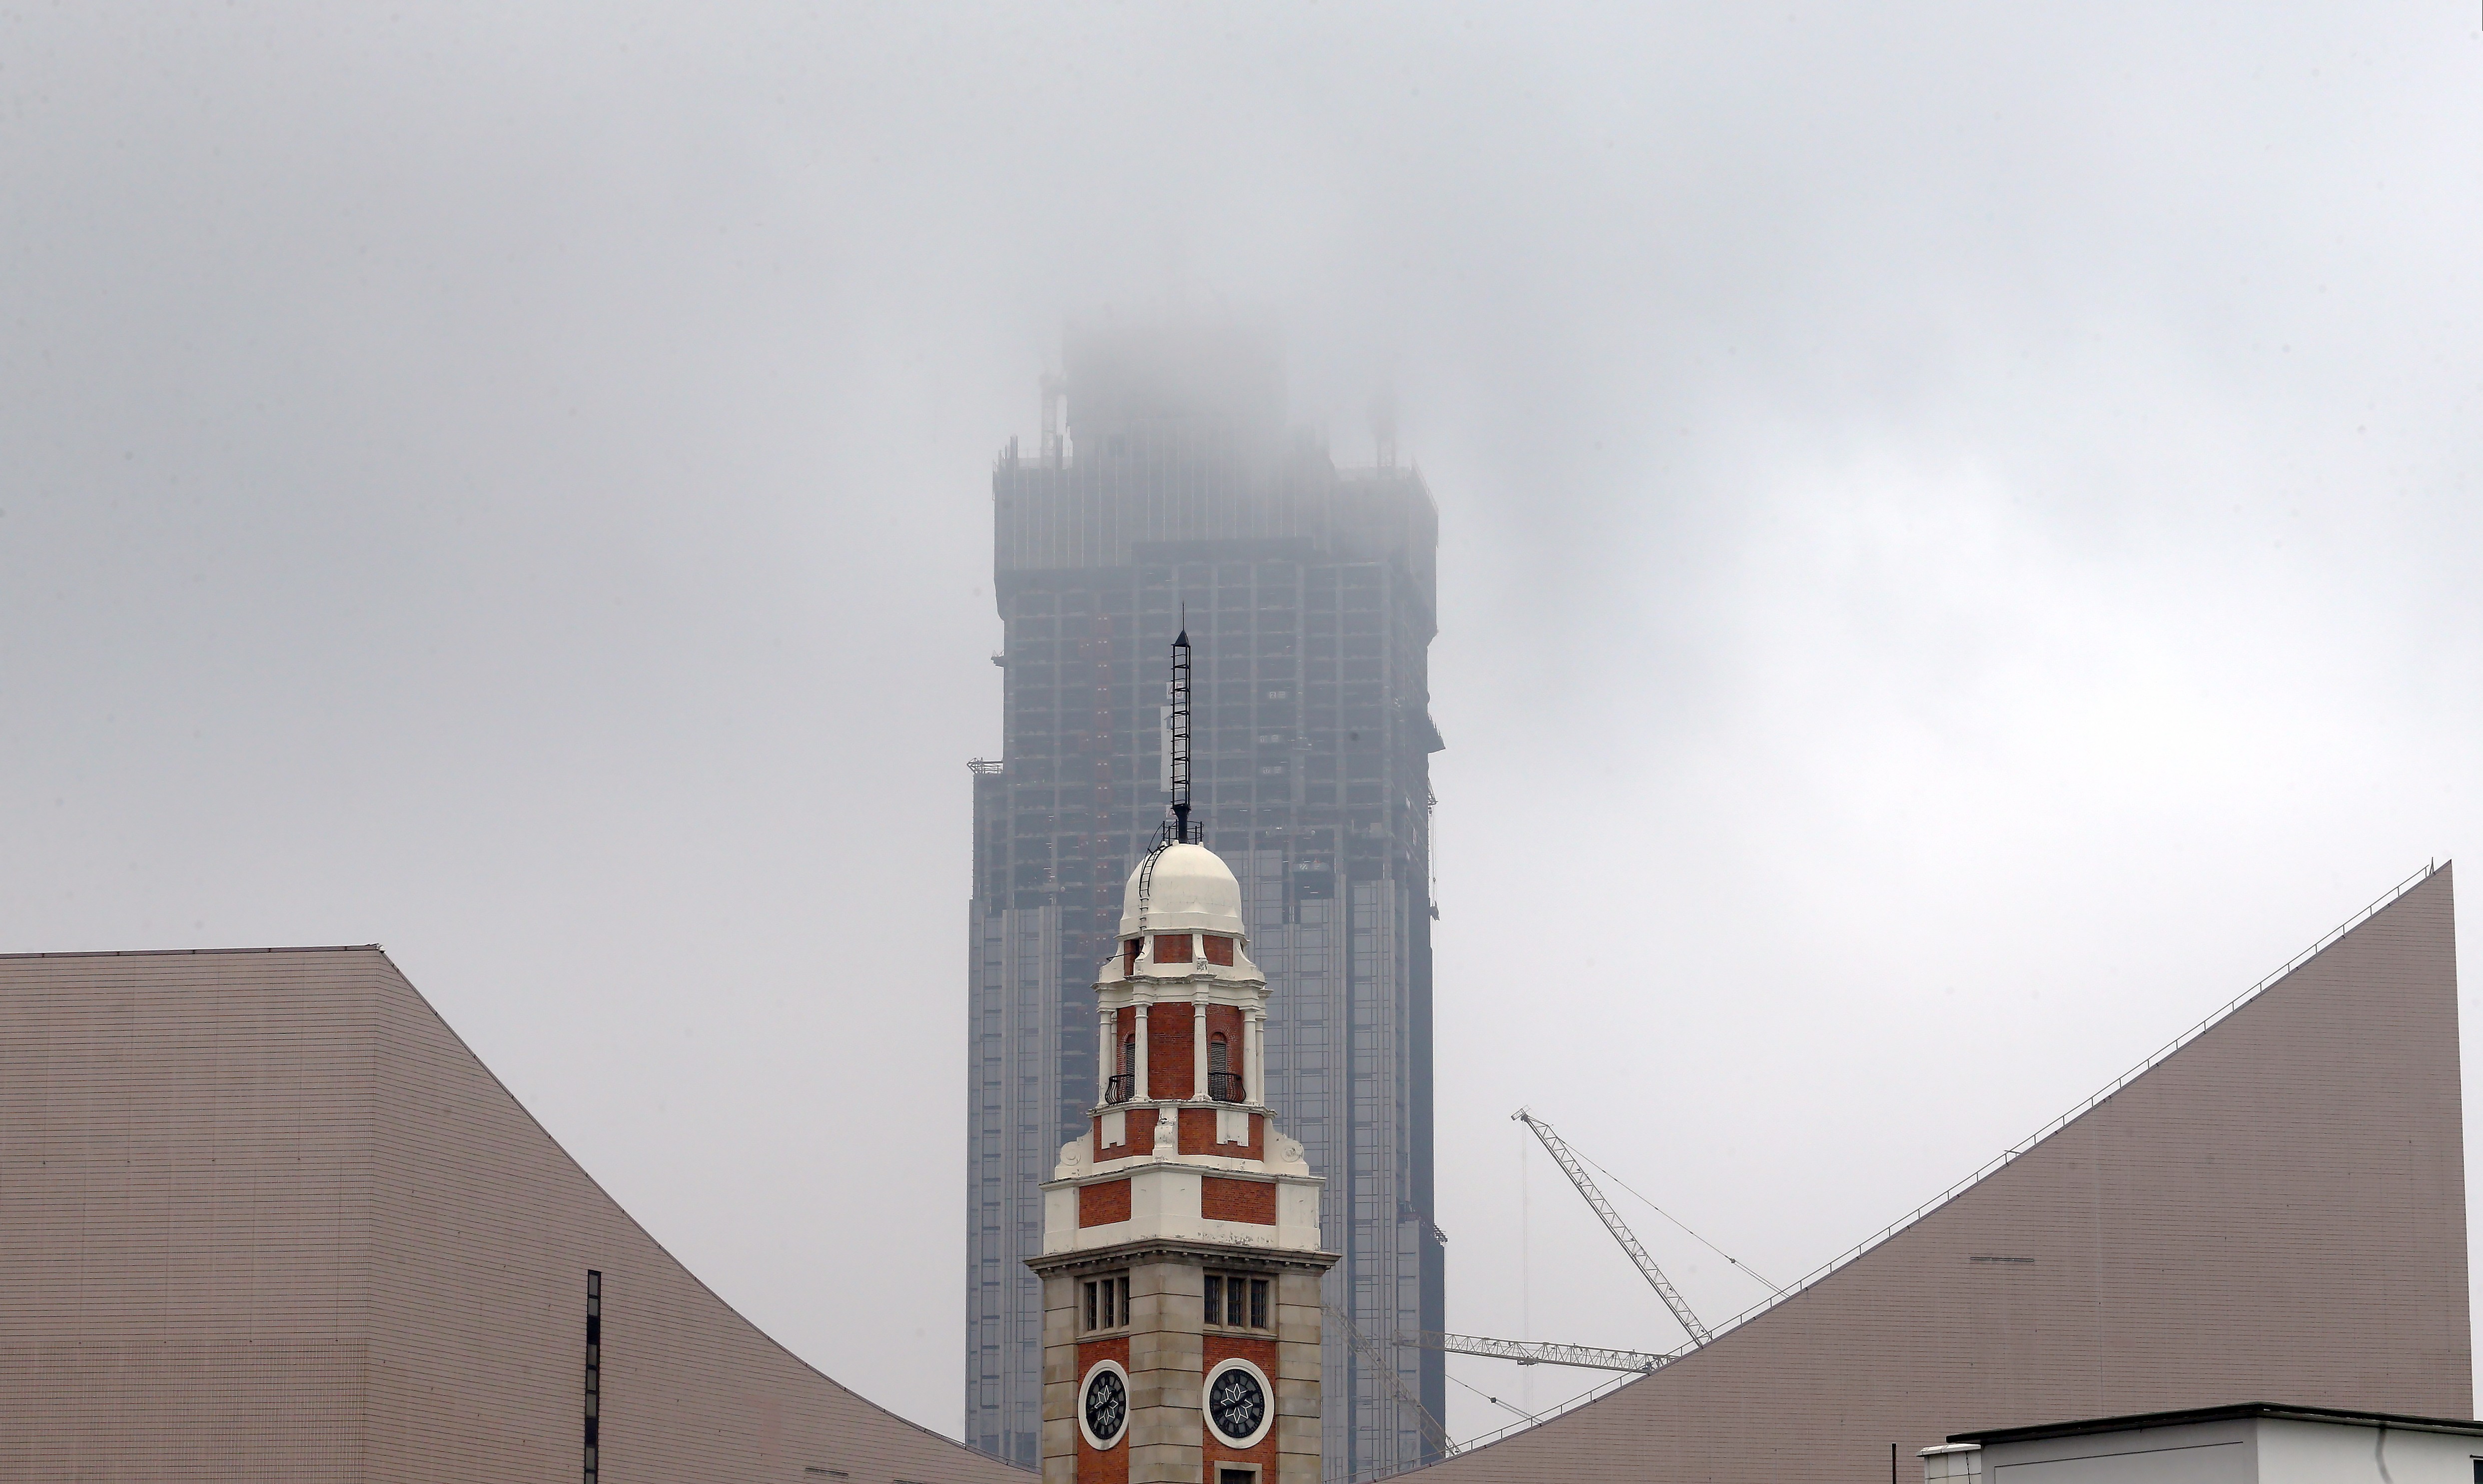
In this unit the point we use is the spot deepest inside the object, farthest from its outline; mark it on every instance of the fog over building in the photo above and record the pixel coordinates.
(1172, 490)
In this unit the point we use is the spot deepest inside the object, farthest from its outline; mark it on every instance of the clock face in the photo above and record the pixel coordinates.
(1106, 1406)
(1237, 1403)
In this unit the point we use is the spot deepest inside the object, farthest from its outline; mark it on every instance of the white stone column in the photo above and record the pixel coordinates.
(1197, 1044)
(1254, 1055)
(1104, 1058)
(1144, 1089)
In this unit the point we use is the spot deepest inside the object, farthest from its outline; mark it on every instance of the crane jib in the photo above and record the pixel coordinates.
(1613, 1223)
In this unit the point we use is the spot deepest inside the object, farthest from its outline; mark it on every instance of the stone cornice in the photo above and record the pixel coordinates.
(1123, 1254)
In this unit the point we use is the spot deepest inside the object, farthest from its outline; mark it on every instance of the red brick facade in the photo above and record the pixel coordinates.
(1103, 1465)
(1138, 1136)
(1171, 1068)
(1261, 1353)
(1221, 1198)
(1168, 1068)
(1198, 1136)
(1103, 1203)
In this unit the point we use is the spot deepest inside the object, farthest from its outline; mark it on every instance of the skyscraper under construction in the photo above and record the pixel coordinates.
(1173, 491)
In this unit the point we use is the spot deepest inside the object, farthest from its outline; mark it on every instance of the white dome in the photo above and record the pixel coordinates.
(1189, 890)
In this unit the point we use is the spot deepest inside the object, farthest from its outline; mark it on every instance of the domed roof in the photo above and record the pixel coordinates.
(1189, 888)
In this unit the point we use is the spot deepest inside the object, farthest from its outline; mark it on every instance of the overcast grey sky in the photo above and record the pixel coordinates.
(1960, 542)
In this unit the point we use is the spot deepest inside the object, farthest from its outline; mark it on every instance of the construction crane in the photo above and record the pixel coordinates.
(1527, 1352)
(1614, 1224)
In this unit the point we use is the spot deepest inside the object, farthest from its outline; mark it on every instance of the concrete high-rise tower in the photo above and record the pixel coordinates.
(1173, 487)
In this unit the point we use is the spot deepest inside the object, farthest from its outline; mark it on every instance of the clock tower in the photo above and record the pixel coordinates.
(1181, 1233)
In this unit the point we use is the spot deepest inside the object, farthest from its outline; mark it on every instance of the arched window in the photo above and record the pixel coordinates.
(1221, 1084)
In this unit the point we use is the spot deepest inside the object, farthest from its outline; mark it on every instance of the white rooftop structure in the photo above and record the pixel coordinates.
(2252, 1442)
(1182, 888)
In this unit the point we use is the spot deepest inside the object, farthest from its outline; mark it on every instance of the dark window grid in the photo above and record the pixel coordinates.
(594, 1371)
(1237, 1301)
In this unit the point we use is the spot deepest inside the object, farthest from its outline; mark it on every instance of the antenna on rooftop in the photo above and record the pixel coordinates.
(1178, 832)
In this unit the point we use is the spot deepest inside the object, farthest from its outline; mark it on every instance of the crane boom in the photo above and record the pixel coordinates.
(1527, 1352)
(1614, 1224)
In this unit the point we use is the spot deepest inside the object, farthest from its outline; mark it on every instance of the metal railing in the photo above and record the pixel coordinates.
(1222, 1086)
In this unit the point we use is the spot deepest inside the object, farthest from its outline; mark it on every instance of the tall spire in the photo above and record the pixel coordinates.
(1178, 830)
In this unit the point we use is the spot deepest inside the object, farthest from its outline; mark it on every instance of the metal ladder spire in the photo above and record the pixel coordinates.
(1178, 832)
(1614, 1224)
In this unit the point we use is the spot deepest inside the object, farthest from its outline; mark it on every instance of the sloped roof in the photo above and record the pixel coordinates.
(264, 1217)
(2276, 1209)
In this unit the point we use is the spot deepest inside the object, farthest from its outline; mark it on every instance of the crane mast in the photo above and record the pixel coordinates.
(1614, 1224)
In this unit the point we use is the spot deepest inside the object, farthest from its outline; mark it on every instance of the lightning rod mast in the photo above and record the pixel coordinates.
(1178, 831)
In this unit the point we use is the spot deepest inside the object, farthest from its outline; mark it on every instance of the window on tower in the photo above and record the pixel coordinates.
(1237, 1301)
(1103, 1303)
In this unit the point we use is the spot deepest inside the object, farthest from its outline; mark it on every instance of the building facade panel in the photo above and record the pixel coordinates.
(2277, 1209)
(185, 1217)
(264, 1217)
